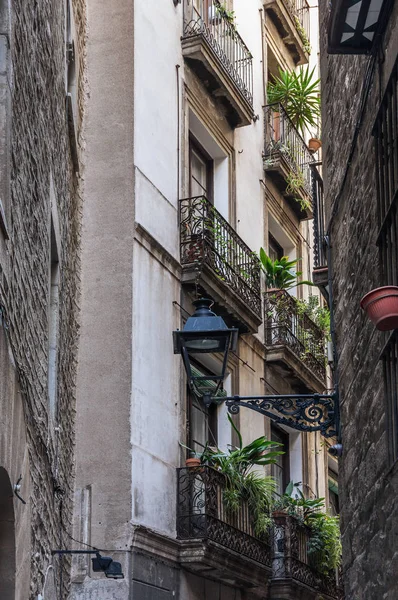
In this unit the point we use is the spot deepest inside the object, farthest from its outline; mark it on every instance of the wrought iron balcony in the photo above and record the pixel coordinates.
(213, 534)
(216, 259)
(288, 161)
(215, 51)
(293, 562)
(294, 341)
(292, 20)
(320, 272)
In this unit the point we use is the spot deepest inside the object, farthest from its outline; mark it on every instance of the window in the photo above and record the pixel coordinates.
(280, 470)
(386, 135)
(202, 424)
(390, 364)
(275, 250)
(53, 324)
(200, 172)
(333, 486)
(72, 77)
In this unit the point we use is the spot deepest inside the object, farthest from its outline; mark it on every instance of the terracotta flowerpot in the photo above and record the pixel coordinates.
(314, 144)
(192, 462)
(279, 516)
(381, 306)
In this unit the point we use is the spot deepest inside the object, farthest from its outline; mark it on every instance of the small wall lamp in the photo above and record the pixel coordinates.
(104, 564)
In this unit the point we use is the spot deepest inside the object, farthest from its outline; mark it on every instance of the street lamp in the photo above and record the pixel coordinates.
(101, 564)
(354, 25)
(206, 333)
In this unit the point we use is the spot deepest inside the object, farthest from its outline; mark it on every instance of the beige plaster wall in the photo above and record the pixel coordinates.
(103, 458)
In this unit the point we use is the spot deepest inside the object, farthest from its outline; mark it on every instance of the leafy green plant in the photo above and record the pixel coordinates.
(280, 274)
(243, 484)
(295, 183)
(303, 35)
(228, 15)
(319, 314)
(299, 95)
(324, 542)
(297, 505)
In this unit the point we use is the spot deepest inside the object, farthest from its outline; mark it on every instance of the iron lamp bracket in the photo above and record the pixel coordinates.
(303, 412)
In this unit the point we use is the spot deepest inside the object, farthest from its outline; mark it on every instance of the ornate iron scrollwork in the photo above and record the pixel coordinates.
(304, 412)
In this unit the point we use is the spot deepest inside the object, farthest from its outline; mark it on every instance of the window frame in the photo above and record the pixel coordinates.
(196, 147)
(282, 437)
(210, 412)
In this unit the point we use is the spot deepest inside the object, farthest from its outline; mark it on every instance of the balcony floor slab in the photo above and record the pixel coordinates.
(207, 65)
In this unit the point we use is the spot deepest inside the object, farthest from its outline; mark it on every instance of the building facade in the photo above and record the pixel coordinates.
(359, 67)
(40, 202)
(185, 178)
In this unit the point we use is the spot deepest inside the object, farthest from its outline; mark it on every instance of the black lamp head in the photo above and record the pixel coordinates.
(205, 333)
(105, 564)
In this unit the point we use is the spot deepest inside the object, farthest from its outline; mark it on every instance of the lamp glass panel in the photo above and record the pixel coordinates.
(202, 345)
(208, 343)
(374, 12)
(353, 14)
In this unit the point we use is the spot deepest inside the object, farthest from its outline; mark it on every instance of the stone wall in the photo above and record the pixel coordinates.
(39, 154)
(367, 485)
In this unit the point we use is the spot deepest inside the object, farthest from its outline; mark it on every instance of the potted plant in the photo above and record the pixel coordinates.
(243, 484)
(194, 460)
(299, 95)
(279, 273)
(324, 543)
(381, 306)
(314, 144)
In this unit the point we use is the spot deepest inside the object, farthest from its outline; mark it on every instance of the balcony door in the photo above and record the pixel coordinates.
(200, 172)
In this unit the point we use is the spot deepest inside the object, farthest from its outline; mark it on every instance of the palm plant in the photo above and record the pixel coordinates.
(299, 96)
(243, 484)
(279, 273)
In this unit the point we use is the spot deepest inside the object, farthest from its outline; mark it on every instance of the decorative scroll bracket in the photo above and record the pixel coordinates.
(303, 412)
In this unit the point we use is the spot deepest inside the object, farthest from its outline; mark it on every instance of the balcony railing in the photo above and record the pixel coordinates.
(286, 325)
(207, 239)
(300, 12)
(292, 559)
(202, 514)
(319, 220)
(283, 141)
(208, 18)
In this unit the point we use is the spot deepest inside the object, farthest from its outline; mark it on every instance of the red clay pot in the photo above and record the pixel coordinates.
(314, 144)
(192, 462)
(381, 306)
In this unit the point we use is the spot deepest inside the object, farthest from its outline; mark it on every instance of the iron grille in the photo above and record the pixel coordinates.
(386, 134)
(286, 325)
(318, 209)
(292, 559)
(300, 12)
(202, 514)
(283, 141)
(209, 19)
(390, 364)
(206, 238)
